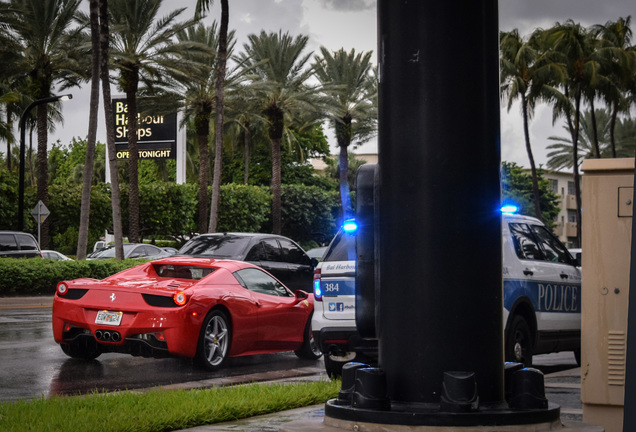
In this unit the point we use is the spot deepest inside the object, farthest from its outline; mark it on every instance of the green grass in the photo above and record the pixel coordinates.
(159, 410)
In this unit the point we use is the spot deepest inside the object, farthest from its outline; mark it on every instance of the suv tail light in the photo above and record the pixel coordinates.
(317, 289)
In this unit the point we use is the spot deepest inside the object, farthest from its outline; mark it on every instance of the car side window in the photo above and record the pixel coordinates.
(293, 254)
(271, 250)
(26, 242)
(152, 250)
(256, 253)
(524, 243)
(553, 249)
(137, 252)
(7, 242)
(258, 281)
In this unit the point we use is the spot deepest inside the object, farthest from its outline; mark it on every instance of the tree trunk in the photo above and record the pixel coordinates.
(133, 158)
(218, 129)
(533, 168)
(202, 125)
(276, 187)
(104, 34)
(42, 168)
(246, 153)
(82, 241)
(612, 129)
(575, 154)
(597, 149)
(343, 136)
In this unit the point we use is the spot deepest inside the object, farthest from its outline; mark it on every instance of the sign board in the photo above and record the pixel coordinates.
(156, 134)
(40, 212)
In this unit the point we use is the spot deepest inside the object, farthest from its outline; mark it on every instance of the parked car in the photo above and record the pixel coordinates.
(279, 255)
(54, 255)
(542, 297)
(131, 250)
(170, 250)
(16, 244)
(207, 309)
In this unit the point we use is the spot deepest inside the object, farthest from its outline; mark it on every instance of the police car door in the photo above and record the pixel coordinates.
(561, 297)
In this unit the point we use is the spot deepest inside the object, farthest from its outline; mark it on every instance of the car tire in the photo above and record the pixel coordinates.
(214, 340)
(85, 350)
(310, 349)
(519, 342)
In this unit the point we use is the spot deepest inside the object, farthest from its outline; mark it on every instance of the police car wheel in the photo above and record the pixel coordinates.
(519, 343)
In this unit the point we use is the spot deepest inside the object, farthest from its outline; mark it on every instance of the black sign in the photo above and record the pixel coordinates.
(156, 134)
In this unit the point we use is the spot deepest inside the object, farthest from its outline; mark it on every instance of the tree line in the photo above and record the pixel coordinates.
(574, 69)
(273, 91)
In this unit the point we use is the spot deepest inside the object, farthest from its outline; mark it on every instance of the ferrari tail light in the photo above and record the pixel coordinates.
(180, 298)
(62, 288)
(317, 288)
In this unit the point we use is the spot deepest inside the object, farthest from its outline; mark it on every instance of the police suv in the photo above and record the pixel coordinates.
(542, 297)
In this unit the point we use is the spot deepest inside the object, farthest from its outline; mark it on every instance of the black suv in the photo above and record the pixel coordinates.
(278, 255)
(15, 244)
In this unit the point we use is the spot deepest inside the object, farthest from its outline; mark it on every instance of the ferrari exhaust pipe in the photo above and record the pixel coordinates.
(115, 336)
(107, 336)
(99, 335)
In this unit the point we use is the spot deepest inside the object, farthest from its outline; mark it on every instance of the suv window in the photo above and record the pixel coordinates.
(342, 248)
(271, 250)
(256, 253)
(26, 242)
(7, 242)
(293, 254)
(525, 245)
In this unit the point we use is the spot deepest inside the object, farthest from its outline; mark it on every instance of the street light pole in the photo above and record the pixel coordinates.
(22, 151)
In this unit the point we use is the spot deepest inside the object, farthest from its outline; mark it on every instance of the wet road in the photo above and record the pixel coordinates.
(33, 365)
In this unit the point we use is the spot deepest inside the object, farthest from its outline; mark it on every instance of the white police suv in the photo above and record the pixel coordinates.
(542, 297)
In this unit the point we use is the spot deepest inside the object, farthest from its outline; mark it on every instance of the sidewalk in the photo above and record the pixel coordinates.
(562, 388)
(26, 302)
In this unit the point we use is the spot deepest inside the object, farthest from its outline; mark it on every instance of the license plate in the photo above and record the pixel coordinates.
(106, 317)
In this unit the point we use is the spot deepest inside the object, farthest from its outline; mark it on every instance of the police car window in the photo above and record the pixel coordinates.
(553, 249)
(260, 282)
(342, 248)
(524, 243)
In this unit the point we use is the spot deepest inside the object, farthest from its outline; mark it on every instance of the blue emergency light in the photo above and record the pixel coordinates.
(509, 209)
(350, 226)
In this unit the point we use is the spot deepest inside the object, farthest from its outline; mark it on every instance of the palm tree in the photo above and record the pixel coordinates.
(104, 71)
(524, 70)
(220, 70)
(85, 208)
(143, 50)
(199, 94)
(283, 68)
(576, 48)
(350, 90)
(619, 66)
(51, 56)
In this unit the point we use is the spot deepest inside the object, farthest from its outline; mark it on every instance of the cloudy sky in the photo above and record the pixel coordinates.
(351, 24)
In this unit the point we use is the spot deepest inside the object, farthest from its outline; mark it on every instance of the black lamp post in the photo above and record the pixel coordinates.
(22, 151)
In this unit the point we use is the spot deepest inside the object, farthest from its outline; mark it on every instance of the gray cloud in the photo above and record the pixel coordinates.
(349, 5)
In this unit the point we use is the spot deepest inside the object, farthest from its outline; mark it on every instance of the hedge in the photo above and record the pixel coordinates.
(34, 276)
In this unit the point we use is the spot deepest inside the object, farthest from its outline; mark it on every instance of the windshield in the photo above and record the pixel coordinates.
(216, 246)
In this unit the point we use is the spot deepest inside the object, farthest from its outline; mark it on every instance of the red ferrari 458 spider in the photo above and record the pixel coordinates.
(207, 309)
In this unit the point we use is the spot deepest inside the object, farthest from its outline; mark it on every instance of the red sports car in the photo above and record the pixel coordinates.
(207, 309)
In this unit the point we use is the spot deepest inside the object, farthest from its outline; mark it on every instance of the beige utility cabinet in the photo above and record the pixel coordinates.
(607, 194)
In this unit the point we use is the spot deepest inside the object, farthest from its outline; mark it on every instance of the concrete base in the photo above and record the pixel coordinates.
(335, 425)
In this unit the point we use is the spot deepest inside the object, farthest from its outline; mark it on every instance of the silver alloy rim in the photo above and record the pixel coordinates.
(216, 340)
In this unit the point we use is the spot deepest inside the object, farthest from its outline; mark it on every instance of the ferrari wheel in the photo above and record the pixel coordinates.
(214, 341)
(85, 350)
(310, 349)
